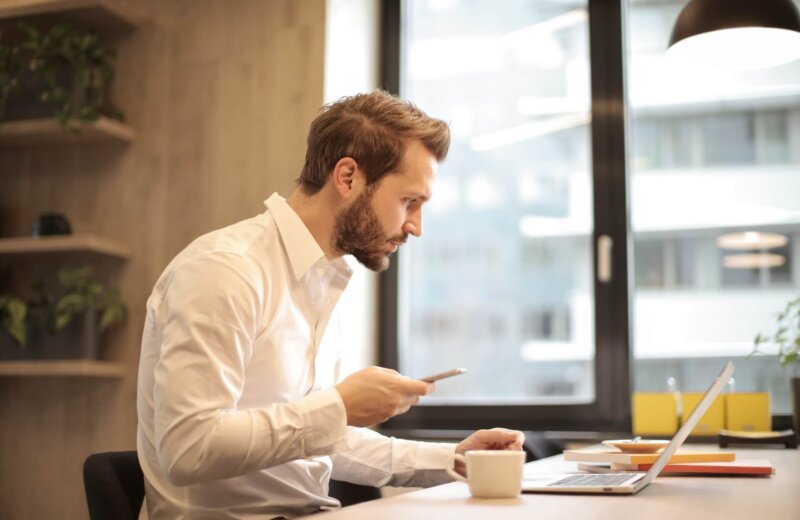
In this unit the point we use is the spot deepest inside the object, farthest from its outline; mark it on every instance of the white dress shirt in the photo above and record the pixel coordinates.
(238, 417)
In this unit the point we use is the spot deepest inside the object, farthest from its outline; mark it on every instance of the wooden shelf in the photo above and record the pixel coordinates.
(63, 244)
(49, 131)
(62, 368)
(109, 17)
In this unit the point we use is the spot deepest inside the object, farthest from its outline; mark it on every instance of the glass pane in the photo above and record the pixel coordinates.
(713, 153)
(501, 281)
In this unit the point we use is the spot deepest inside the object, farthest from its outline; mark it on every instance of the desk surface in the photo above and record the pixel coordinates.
(776, 498)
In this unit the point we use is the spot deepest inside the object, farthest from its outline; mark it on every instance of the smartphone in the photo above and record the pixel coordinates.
(442, 375)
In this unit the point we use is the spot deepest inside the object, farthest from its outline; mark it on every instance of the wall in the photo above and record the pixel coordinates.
(221, 94)
(352, 42)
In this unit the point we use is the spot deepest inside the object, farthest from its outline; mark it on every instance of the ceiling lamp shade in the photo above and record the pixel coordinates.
(736, 34)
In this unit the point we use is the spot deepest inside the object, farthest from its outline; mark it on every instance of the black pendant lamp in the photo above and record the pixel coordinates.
(737, 34)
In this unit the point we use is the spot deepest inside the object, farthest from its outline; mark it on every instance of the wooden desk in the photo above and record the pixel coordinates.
(683, 498)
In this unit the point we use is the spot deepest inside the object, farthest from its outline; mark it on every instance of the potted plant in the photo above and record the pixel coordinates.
(787, 338)
(63, 326)
(62, 72)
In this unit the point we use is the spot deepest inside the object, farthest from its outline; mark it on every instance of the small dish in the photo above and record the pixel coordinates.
(637, 446)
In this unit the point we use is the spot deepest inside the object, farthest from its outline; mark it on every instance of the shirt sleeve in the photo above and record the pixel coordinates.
(376, 460)
(209, 317)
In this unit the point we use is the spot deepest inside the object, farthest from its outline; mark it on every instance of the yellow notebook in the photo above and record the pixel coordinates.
(617, 457)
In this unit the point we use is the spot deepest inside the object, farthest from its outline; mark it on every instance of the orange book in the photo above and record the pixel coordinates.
(743, 467)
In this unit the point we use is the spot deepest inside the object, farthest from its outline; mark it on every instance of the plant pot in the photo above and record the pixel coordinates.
(26, 103)
(80, 339)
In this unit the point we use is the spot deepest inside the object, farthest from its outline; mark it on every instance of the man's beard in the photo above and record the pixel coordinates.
(357, 232)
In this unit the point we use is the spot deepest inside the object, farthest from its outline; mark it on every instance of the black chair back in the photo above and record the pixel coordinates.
(114, 485)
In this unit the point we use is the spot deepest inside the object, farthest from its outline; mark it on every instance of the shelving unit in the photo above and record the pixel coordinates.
(49, 131)
(64, 244)
(109, 17)
(62, 368)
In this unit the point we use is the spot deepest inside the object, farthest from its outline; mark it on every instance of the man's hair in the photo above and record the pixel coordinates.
(371, 128)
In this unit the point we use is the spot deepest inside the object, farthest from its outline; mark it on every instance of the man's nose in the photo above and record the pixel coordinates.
(413, 225)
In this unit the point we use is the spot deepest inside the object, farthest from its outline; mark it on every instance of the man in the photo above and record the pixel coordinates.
(241, 413)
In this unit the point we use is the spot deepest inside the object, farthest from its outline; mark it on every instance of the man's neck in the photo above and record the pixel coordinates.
(317, 212)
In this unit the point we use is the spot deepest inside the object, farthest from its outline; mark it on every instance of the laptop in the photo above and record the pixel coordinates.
(626, 483)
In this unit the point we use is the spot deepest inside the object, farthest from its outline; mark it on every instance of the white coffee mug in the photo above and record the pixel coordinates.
(491, 473)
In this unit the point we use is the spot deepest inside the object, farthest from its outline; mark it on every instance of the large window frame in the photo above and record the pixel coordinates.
(611, 409)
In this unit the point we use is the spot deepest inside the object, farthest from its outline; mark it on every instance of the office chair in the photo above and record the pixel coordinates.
(349, 494)
(114, 485)
(537, 446)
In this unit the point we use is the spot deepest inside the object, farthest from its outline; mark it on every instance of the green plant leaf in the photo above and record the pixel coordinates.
(788, 358)
(61, 320)
(111, 316)
(786, 335)
(13, 312)
(72, 303)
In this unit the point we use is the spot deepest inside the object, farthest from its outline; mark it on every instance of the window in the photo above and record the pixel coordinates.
(696, 300)
(505, 266)
(503, 282)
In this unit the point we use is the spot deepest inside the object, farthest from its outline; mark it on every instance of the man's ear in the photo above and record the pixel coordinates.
(347, 177)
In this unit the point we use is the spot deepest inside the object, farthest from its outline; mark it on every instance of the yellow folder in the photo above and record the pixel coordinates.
(654, 413)
(712, 421)
(748, 412)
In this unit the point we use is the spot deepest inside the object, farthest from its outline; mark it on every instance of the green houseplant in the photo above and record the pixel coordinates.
(82, 294)
(786, 337)
(63, 71)
(60, 325)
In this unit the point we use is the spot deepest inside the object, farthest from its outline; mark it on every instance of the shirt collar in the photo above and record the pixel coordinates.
(301, 247)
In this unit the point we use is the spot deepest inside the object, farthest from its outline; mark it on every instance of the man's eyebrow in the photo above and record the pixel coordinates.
(418, 195)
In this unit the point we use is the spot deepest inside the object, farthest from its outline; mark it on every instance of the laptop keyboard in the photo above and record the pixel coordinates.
(608, 479)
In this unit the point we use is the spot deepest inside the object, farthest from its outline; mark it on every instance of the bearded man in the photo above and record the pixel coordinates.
(242, 413)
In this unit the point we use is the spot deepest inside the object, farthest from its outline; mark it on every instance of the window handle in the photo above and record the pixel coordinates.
(604, 246)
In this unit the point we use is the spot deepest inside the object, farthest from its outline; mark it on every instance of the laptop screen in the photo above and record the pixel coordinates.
(687, 427)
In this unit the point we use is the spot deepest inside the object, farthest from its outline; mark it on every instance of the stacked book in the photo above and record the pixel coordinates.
(682, 462)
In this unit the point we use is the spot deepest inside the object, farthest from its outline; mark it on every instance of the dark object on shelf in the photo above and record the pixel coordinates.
(79, 339)
(51, 224)
(788, 438)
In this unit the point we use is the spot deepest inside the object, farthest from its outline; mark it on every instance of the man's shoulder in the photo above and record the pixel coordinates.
(249, 237)
(249, 246)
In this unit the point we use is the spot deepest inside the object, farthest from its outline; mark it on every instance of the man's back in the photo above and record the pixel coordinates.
(231, 369)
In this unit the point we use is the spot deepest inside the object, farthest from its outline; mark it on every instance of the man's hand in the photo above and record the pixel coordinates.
(494, 439)
(376, 394)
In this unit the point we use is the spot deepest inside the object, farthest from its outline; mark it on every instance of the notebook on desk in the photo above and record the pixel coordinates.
(627, 483)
